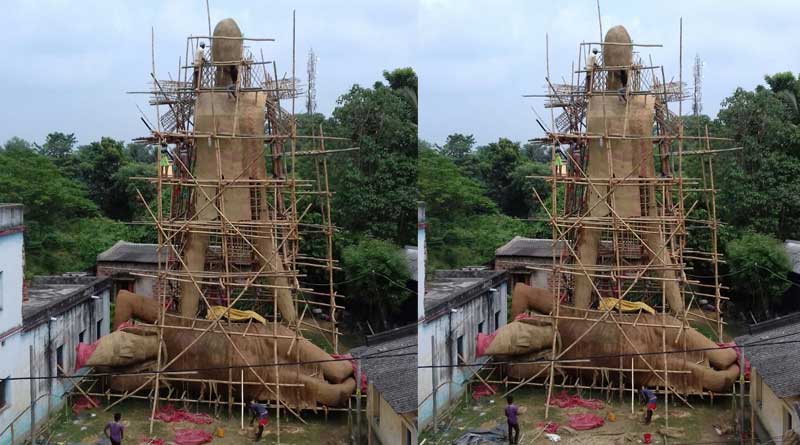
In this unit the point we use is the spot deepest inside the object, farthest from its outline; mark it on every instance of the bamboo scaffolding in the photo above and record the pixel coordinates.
(232, 275)
(626, 265)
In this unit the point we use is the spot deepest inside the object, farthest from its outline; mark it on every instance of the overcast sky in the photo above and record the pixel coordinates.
(476, 59)
(67, 64)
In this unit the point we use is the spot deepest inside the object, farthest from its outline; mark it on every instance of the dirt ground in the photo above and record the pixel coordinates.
(688, 425)
(87, 428)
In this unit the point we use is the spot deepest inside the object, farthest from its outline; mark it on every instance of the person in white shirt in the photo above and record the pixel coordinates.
(199, 60)
(590, 66)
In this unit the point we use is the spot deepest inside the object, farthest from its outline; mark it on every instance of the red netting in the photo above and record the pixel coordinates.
(150, 441)
(353, 363)
(482, 341)
(483, 390)
(585, 421)
(84, 403)
(168, 413)
(564, 400)
(738, 357)
(549, 427)
(191, 436)
(82, 353)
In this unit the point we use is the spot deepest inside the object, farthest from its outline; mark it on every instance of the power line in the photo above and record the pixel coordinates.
(375, 355)
(759, 343)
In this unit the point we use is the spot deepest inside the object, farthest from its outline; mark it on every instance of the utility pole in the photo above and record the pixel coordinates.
(697, 98)
(311, 95)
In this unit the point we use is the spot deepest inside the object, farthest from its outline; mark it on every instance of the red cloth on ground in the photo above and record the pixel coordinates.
(564, 400)
(148, 441)
(353, 364)
(168, 413)
(585, 421)
(549, 427)
(738, 357)
(482, 390)
(82, 353)
(482, 341)
(84, 403)
(190, 436)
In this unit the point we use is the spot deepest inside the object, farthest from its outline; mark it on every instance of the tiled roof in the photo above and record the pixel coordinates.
(394, 377)
(527, 247)
(777, 363)
(125, 252)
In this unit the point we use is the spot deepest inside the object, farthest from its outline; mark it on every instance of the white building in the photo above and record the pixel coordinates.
(39, 330)
(458, 305)
(774, 371)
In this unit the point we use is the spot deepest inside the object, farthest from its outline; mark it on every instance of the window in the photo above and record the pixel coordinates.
(787, 420)
(497, 320)
(99, 329)
(60, 361)
(4, 393)
(480, 327)
(82, 336)
(460, 350)
(408, 437)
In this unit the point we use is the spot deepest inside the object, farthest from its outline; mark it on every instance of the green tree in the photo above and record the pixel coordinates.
(759, 267)
(464, 225)
(376, 186)
(458, 147)
(57, 145)
(98, 164)
(376, 273)
(405, 82)
(54, 208)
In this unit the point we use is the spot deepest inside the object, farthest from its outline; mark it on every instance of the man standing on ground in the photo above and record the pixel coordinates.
(511, 417)
(114, 430)
(259, 411)
(649, 397)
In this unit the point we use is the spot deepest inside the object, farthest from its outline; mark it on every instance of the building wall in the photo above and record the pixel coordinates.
(11, 276)
(389, 428)
(63, 332)
(516, 266)
(12, 345)
(771, 411)
(445, 331)
(146, 286)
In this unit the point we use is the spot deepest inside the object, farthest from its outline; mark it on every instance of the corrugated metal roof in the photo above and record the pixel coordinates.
(125, 252)
(394, 377)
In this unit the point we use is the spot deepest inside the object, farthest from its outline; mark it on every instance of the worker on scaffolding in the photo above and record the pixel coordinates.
(649, 397)
(199, 60)
(591, 65)
(259, 411)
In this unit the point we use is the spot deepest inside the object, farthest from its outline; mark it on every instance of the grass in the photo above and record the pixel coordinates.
(693, 424)
(87, 427)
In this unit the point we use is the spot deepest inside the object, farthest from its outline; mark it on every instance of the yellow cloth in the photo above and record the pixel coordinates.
(233, 314)
(624, 305)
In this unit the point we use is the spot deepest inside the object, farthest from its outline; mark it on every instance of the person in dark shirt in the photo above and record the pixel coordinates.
(513, 424)
(114, 430)
(649, 397)
(259, 411)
